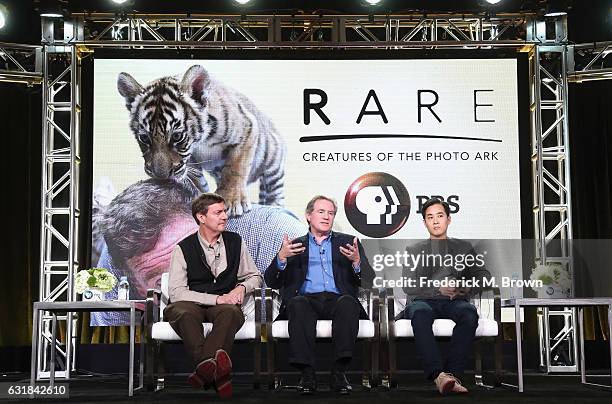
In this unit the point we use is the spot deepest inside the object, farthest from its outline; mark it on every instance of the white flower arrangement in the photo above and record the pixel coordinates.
(552, 273)
(94, 279)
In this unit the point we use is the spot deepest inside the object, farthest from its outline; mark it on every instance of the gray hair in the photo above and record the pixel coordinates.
(135, 218)
(311, 203)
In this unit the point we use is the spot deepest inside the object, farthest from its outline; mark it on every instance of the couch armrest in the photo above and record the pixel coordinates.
(258, 313)
(258, 316)
(370, 301)
(270, 295)
(497, 306)
(389, 315)
(390, 305)
(375, 303)
(152, 305)
(494, 295)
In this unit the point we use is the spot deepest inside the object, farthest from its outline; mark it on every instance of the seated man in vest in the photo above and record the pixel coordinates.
(136, 232)
(211, 271)
(446, 263)
(319, 275)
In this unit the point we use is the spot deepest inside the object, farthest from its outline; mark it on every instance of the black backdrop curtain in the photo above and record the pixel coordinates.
(590, 107)
(20, 128)
(590, 120)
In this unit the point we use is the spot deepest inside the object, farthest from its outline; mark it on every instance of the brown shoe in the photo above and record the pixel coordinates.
(223, 376)
(458, 387)
(445, 383)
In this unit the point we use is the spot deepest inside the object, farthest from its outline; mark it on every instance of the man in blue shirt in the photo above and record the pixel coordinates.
(319, 275)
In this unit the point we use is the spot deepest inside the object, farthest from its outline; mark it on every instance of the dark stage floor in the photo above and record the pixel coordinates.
(539, 388)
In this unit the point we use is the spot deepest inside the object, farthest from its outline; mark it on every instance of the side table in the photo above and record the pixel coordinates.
(578, 303)
(132, 306)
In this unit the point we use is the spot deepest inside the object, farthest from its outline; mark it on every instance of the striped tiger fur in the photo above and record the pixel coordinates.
(195, 124)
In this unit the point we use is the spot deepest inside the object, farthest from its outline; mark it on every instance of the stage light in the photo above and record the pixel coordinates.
(555, 8)
(50, 9)
(493, 1)
(119, 1)
(242, 2)
(372, 2)
(3, 14)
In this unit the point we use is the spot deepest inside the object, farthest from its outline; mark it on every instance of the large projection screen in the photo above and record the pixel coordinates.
(444, 127)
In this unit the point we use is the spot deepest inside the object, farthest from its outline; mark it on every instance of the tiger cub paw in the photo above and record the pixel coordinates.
(237, 203)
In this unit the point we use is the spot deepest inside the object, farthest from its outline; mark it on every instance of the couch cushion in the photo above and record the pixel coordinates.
(444, 328)
(163, 331)
(280, 329)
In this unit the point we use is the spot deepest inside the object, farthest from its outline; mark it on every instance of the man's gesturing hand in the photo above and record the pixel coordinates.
(351, 251)
(289, 250)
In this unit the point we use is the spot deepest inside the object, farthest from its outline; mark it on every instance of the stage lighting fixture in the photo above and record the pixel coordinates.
(119, 1)
(3, 14)
(372, 2)
(555, 8)
(493, 1)
(50, 9)
(242, 1)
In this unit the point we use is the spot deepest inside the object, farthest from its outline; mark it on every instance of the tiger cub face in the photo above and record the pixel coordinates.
(167, 118)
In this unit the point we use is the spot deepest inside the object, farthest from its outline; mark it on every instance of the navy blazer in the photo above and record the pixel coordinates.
(290, 280)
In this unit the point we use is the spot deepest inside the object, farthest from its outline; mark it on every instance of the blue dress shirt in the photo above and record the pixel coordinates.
(320, 275)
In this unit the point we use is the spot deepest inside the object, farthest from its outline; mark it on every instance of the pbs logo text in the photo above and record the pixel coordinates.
(452, 200)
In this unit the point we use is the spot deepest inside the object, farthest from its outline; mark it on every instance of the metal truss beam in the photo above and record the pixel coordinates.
(271, 31)
(588, 62)
(20, 63)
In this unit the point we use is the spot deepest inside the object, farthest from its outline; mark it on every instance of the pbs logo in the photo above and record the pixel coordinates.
(377, 204)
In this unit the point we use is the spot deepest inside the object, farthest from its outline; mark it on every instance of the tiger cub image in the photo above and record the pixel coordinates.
(195, 124)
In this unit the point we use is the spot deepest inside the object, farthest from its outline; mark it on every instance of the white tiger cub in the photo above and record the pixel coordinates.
(186, 126)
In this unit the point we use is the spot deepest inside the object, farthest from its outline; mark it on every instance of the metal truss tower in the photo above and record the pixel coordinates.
(59, 243)
(551, 186)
